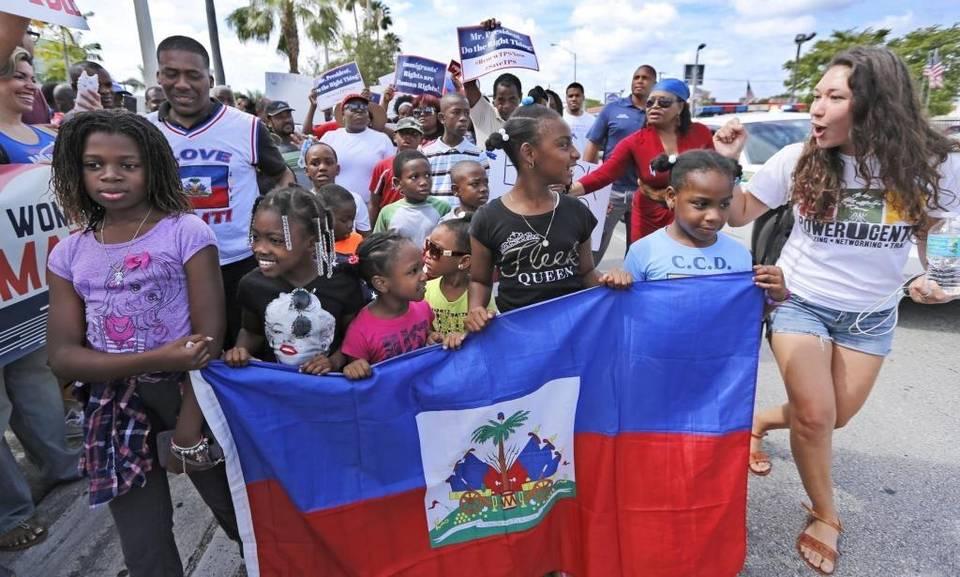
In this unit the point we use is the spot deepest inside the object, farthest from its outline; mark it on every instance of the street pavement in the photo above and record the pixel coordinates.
(897, 473)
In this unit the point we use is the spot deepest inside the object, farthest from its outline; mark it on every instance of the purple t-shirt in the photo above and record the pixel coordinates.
(135, 293)
(374, 339)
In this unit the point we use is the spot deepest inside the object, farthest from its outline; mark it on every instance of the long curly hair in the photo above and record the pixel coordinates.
(163, 184)
(894, 144)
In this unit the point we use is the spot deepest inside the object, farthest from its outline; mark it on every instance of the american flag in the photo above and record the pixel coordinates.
(934, 70)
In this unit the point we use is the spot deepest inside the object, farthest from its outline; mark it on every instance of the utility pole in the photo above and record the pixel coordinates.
(696, 71)
(799, 39)
(148, 48)
(215, 43)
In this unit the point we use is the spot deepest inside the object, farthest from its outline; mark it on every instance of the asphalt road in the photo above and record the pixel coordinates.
(897, 475)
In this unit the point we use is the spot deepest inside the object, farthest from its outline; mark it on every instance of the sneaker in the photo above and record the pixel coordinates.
(74, 423)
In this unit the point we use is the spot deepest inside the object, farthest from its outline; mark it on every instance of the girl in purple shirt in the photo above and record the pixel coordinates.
(135, 297)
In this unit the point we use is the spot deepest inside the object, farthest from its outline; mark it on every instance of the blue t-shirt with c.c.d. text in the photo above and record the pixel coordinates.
(657, 256)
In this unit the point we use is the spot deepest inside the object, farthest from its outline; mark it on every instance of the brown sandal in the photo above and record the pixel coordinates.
(816, 545)
(26, 534)
(759, 458)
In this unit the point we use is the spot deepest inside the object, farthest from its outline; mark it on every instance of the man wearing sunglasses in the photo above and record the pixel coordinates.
(359, 148)
(618, 120)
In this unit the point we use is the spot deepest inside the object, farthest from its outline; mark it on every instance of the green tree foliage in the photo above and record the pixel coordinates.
(260, 19)
(373, 58)
(58, 48)
(914, 48)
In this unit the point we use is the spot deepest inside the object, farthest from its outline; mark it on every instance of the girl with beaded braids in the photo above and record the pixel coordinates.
(296, 305)
(538, 239)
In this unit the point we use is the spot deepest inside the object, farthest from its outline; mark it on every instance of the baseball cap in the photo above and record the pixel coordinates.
(354, 96)
(276, 107)
(408, 123)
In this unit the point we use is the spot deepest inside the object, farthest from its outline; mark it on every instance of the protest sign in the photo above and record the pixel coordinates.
(583, 434)
(292, 89)
(503, 175)
(62, 12)
(33, 223)
(416, 75)
(387, 79)
(484, 51)
(334, 84)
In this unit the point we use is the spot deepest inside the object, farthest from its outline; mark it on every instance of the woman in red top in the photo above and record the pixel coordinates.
(669, 129)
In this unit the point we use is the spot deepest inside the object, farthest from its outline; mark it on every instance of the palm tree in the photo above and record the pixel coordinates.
(378, 17)
(258, 20)
(59, 48)
(351, 6)
(498, 433)
(325, 28)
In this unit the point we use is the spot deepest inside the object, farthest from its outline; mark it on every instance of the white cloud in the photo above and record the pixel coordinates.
(767, 8)
(786, 27)
(898, 24)
(622, 13)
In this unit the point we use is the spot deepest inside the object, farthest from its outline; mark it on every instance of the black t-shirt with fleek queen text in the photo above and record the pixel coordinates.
(530, 272)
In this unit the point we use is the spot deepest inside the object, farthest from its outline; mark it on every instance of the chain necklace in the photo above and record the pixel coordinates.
(544, 243)
(117, 269)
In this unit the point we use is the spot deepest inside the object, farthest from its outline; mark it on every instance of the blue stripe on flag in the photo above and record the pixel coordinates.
(674, 356)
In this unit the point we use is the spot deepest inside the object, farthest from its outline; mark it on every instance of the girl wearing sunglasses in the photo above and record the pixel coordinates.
(669, 130)
(296, 304)
(446, 257)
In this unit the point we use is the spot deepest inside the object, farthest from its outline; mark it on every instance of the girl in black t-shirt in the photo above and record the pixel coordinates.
(297, 303)
(537, 239)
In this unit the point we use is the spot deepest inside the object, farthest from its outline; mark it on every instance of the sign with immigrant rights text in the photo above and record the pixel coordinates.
(32, 224)
(294, 89)
(416, 75)
(483, 51)
(503, 175)
(334, 84)
(62, 12)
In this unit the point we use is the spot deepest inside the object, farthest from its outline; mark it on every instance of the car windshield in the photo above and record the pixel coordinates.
(766, 138)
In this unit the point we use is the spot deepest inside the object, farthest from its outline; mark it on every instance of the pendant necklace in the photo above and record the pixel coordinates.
(117, 269)
(544, 243)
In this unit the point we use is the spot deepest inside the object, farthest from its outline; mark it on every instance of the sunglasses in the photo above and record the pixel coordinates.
(355, 107)
(300, 301)
(33, 34)
(661, 102)
(427, 111)
(435, 251)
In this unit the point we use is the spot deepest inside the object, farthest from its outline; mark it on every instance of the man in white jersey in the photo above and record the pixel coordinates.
(577, 118)
(220, 151)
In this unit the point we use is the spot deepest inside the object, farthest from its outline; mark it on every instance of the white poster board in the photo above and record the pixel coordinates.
(503, 175)
(62, 12)
(294, 89)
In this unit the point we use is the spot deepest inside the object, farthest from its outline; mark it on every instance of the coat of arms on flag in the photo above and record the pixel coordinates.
(498, 469)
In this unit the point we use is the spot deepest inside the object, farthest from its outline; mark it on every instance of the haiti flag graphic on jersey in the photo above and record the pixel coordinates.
(207, 185)
(604, 434)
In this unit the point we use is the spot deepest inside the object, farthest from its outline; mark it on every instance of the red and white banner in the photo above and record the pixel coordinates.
(63, 12)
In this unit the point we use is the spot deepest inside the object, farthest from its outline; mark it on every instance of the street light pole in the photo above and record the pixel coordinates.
(696, 70)
(799, 39)
(574, 58)
(148, 49)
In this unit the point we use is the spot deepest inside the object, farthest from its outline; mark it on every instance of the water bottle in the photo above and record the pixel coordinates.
(943, 255)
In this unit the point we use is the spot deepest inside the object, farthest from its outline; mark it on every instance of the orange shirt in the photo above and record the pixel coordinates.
(349, 245)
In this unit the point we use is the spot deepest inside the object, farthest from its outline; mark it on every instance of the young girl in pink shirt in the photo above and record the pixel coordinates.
(398, 320)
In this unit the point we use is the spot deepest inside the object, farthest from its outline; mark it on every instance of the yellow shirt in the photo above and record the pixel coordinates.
(448, 316)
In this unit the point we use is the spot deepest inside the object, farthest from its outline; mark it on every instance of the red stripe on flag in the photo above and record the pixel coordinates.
(651, 505)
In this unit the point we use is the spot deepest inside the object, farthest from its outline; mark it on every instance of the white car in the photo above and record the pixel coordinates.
(767, 133)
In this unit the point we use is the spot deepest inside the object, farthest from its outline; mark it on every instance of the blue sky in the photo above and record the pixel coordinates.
(746, 39)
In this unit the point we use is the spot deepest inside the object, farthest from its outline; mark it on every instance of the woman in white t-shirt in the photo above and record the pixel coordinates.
(871, 180)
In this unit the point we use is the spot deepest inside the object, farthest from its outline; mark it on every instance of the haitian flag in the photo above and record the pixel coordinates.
(207, 185)
(603, 434)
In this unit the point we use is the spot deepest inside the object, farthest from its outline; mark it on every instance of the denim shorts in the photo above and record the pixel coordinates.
(801, 317)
